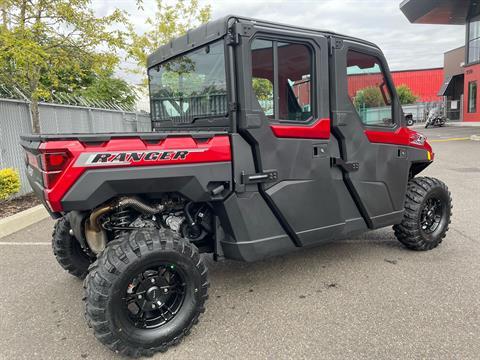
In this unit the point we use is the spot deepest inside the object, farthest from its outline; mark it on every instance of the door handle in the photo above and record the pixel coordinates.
(320, 150)
(346, 166)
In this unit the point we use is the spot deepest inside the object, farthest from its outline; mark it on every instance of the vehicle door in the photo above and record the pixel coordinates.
(366, 121)
(284, 115)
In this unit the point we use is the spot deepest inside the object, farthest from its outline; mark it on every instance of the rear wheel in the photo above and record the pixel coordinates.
(427, 214)
(67, 250)
(145, 292)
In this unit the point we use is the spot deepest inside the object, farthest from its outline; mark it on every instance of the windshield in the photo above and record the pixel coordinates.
(190, 87)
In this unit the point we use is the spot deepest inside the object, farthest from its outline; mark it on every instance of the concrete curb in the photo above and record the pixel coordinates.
(21, 220)
(475, 137)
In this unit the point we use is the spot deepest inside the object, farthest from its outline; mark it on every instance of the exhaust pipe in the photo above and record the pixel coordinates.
(96, 236)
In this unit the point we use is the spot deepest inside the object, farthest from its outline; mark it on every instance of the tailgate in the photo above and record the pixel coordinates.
(55, 162)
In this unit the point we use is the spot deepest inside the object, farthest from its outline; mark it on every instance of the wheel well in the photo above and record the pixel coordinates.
(417, 167)
(194, 221)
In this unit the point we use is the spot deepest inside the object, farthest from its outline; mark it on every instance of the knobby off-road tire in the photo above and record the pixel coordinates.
(67, 250)
(110, 278)
(419, 229)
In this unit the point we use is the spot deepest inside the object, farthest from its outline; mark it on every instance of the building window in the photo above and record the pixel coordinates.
(472, 97)
(284, 92)
(371, 96)
(474, 40)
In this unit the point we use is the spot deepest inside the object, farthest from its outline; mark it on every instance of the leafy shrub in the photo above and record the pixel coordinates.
(369, 97)
(406, 95)
(9, 183)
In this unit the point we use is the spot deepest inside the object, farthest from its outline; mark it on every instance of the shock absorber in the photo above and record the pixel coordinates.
(121, 218)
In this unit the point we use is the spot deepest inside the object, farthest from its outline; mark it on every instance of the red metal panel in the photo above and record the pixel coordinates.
(424, 83)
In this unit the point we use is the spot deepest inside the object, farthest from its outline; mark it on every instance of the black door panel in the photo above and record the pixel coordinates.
(378, 185)
(304, 196)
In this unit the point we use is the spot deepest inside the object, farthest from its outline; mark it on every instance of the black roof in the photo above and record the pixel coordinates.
(218, 28)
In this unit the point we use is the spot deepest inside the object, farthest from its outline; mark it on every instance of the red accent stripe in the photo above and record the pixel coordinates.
(318, 130)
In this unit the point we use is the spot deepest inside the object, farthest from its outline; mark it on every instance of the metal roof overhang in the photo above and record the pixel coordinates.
(450, 12)
(447, 86)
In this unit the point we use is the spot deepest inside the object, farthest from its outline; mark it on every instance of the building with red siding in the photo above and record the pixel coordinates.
(462, 65)
(424, 83)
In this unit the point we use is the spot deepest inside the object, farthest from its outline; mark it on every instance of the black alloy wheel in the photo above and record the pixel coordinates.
(145, 292)
(155, 296)
(428, 209)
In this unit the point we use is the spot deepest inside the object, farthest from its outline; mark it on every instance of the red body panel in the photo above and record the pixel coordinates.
(401, 136)
(160, 153)
(318, 130)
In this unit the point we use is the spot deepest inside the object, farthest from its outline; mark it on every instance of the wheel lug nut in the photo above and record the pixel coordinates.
(153, 280)
(153, 306)
(165, 291)
(139, 296)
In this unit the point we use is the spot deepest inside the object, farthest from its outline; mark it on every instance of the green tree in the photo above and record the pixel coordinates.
(49, 44)
(369, 97)
(169, 21)
(106, 87)
(406, 95)
(263, 89)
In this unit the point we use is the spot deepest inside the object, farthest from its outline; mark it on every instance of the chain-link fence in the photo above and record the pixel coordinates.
(15, 120)
(420, 111)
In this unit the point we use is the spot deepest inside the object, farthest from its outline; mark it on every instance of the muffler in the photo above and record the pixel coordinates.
(96, 235)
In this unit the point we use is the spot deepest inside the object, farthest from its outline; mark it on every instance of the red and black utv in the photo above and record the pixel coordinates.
(263, 145)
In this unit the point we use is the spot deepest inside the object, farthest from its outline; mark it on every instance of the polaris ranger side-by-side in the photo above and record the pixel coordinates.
(259, 149)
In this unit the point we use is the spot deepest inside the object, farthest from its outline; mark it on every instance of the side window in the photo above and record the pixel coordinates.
(294, 85)
(262, 74)
(368, 89)
(284, 93)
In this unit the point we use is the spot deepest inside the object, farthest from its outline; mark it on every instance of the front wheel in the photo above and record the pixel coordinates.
(145, 292)
(428, 208)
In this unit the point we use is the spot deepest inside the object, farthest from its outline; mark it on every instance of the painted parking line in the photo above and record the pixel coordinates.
(24, 243)
(450, 139)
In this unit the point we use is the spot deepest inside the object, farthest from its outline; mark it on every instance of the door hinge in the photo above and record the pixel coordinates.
(236, 31)
(266, 176)
(346, 166)
(232, 38)
(335, 44)
(233, 106)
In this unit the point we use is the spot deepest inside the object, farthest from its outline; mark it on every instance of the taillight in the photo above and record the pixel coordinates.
(52, 164)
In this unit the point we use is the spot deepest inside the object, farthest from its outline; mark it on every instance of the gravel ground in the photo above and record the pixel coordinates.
(358, 298)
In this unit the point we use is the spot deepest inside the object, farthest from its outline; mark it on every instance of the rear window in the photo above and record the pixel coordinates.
(190, 87)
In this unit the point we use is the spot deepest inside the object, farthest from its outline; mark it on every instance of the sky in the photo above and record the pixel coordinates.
(405, 45)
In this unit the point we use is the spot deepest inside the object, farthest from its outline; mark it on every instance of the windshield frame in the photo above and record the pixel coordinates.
(211, 122)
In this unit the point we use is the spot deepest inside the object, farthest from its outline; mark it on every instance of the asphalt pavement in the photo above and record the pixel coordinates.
(361, 298)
